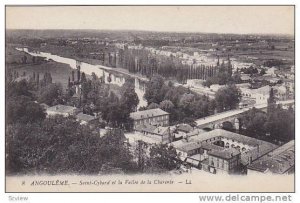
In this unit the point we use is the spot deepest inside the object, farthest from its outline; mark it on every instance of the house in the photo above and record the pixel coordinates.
(181, 131)
(61, 110)
(216, 87)
(222, 161)
(161, 134)
(281, 92)
(271, 71)
(278, 161)
(187, 149)
(260, 95)
(156, 117)
(85, 119)
(245, 78)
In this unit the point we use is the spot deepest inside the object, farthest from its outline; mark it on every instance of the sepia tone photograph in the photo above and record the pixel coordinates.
(149, 98)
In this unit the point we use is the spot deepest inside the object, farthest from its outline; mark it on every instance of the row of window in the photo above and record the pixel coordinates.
(160, 118)
(221, 163)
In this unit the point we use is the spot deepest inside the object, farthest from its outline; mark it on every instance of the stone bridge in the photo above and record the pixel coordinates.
(217, 120)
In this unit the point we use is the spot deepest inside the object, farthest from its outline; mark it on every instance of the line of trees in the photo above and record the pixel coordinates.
(276, 125)
(145, 63)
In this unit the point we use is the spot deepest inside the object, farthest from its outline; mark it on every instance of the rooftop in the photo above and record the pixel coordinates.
(185, 128)
(147, 114)
(188, 146)
(152, 129)
(225, 153)
(231, 135)
(278, 161)
(85, 117)
(265, 90)
(61, 108)
(209, 146)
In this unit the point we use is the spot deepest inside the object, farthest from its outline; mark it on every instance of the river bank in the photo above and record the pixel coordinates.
(110, 76)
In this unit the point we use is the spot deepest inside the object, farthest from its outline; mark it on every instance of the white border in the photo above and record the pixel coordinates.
(128, 197)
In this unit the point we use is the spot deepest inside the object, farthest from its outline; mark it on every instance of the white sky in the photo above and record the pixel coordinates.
(217, 19)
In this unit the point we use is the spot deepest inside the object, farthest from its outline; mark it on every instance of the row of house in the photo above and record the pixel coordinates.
(279, 161)
(154, 124)
(221, 151)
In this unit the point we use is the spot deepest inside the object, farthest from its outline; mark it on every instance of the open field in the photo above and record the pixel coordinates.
(59, 72)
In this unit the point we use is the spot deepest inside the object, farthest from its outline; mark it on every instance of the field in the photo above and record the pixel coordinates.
(59, 72)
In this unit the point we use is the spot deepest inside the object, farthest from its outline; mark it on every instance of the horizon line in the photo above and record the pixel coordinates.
(157, 31)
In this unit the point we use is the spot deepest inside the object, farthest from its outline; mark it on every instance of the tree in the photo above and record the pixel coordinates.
(227, 98)
(153, 106)
(83, 78)
(155, 90)
(253, 123)
(129, 98)
(18, 89)
(185, 101)
(174, 94)
(78, 75)
(94, 77)
(163, 158)
(262, 72)
(61, 145)
(271, 102)
(201, 107)
(86, 88)
(47, 80)
(166, 105)
(51, 94)
(281, 124)
(24, 59)
(23, 109)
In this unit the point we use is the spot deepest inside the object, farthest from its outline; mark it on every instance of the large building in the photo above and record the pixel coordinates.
(221, 151)
(222, 161)
(156, 117)
(279, 161)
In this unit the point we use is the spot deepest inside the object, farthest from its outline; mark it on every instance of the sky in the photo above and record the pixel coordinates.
(210, 19)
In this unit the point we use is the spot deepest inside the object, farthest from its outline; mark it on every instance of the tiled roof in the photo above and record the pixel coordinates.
(225, 153)
(278, 161)
(85, 117)
(61, 108)
(265, 90)
(188, 146)
(209, 146)
(147, 114)
(230, 135)
(152, 129)
(259, 149)
(184, 127)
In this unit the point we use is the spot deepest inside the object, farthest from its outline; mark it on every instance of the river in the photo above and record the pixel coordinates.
(99, 70)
